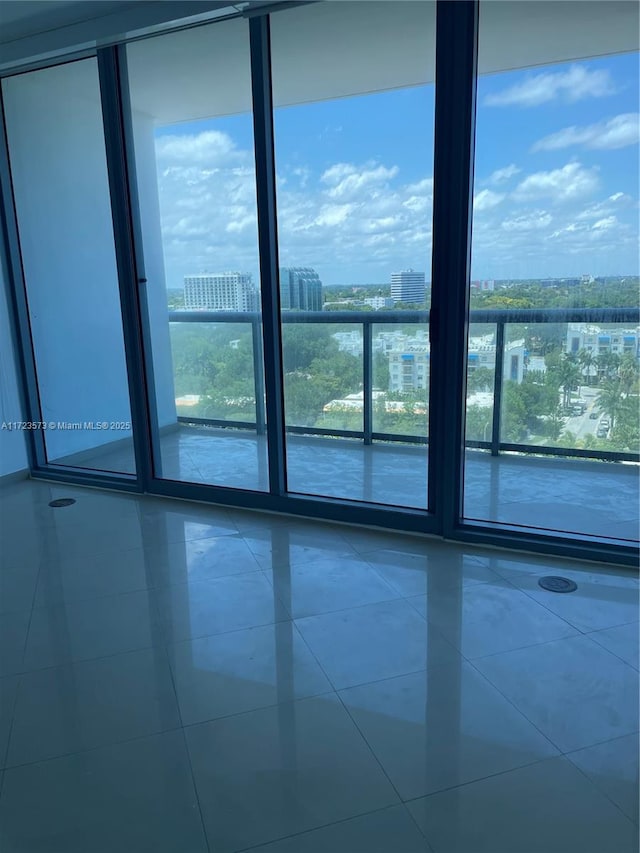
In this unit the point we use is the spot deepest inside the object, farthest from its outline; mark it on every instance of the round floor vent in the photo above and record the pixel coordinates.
(553, 583)
(62, 502)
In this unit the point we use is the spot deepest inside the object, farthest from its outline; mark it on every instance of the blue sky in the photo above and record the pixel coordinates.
(556, 181)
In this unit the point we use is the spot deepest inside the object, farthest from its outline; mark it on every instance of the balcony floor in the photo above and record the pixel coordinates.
(571, 495)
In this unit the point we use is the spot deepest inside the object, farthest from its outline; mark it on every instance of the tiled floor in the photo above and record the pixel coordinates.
(554, 493)
(177, 678)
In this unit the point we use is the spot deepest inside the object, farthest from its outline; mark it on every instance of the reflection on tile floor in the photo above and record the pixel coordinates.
(177, 677)
(594, 498)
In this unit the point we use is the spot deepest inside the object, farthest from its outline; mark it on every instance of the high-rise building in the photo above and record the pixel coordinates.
(300, 289)
(408, 286)
(228, 291)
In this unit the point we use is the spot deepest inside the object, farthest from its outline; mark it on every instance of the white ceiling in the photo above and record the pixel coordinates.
(344, 47)
(22, 18)
(336, 49)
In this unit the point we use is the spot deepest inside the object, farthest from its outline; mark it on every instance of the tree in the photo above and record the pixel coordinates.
(478, 423)
(611, 398)
(628, 372)
(586, 360)
(565, 372)
(480, 379)
(608, 363)
(513, 420)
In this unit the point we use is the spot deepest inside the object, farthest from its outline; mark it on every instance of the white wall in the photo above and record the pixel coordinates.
(59, 173)
(13, 452)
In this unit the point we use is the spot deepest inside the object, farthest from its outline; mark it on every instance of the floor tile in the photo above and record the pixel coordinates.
(493, 617)
(549, 806)
(181, 521)
(13, 634)
(336, 583)
(76, 579)
(374, 642)
(199, 560)
(613, 768)
(8, 691)
(440, 728)
(96, 536)
(282, 770)
(295, 544)
(623, 641)
(243, 670)
(573, 690)
(136, 796)
(93, 703)
(440, 568)
(24, 545)
(18, 586)
(216, 606)
(390, 830)
(604, 598)
(97, 627)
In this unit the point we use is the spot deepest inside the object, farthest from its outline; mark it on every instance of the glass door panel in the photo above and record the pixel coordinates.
(553, 396)
(354, 126)
(195, 169)
(61, 191)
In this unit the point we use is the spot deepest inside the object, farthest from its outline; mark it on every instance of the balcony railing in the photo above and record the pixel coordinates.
(500, 318)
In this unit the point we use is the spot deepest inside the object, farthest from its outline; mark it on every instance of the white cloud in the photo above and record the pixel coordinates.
(196, 149)
(334, 214)
(617, 132)
(500, 176)
(348, 181)
(534, 220)
(617, 201)
(604, 224)
(486, 200)
(359, 220)
(574, 84)
(568, 183)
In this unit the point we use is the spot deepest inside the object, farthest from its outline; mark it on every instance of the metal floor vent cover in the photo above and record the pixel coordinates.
(557, 584)
(62, 502)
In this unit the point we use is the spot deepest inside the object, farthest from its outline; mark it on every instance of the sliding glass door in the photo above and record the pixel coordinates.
(354, 122)
(553, 417)
(191, 118)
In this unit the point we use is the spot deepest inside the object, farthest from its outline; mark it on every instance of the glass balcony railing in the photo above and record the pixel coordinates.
(542, 382)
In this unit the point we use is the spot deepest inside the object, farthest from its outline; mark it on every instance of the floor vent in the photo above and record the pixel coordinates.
(553, 583)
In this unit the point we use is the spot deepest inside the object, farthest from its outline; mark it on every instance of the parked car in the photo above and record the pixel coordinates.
(603, 431)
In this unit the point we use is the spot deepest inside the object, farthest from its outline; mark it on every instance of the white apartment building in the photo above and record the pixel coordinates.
(228, 291)
(602, 339)
(409, 360)
(378, 302)
(408, 286)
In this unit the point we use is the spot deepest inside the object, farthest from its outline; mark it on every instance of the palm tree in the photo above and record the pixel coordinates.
(611, 398)
(607, 364)
(628, 372)
(587, 360)
(568, 377)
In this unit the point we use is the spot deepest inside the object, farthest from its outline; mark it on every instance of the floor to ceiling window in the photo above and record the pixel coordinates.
(342, 245)
(552, 383)
(61, 193)
(195, 169)
(354, 158)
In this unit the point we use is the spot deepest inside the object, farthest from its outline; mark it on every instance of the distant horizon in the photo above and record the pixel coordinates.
(428, 283)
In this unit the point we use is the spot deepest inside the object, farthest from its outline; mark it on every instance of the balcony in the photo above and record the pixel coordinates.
(566, 481)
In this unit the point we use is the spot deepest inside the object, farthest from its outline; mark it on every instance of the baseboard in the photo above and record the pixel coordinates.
(14, 477)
